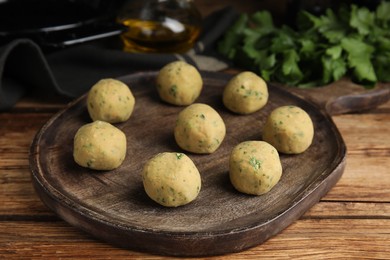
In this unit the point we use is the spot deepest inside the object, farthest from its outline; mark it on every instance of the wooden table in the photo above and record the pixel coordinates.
(351, 221)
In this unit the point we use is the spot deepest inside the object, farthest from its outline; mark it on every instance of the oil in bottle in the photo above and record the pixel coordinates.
(160, 26)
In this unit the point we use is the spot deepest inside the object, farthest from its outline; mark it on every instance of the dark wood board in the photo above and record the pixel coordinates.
(113, 206)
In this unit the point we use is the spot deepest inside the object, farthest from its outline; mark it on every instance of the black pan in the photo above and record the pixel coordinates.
(58, 23)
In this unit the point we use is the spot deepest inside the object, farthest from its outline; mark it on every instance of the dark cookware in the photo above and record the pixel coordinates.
(58, 23)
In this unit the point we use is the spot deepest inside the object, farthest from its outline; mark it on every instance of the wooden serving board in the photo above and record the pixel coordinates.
(113, 206)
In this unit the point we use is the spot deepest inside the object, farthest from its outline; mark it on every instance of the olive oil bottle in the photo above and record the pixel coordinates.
(170, 26)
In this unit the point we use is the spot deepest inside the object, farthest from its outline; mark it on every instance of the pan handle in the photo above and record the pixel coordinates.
(80, 35)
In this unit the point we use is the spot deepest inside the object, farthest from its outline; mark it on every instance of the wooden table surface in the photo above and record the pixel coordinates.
(351, 221)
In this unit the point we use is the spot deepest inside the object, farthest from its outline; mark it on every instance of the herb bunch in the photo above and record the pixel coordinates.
(352, 41)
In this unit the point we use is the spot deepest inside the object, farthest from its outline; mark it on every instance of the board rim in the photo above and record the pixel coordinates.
(50, 194)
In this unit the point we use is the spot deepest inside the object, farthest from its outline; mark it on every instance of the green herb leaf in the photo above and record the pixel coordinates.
(381, 65)
(359, 58)
(255, 163)
(362, 19)
(382, 13)
(352, 41)
(291, 72)
(233, 37)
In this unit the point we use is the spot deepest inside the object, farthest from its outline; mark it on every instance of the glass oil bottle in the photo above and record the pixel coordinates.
(157, 26)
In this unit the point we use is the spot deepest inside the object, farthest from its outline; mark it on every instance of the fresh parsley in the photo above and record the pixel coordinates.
(352, 41)
(255, 163)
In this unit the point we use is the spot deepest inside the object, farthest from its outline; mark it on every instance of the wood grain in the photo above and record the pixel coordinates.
(304, 239)
(221, 220)
(350, 222)
(22, 214)
(344, 96)
(334, 225)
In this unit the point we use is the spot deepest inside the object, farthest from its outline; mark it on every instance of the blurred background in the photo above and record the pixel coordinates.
(61, 23)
